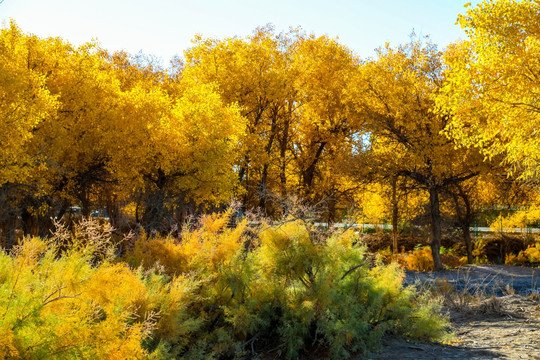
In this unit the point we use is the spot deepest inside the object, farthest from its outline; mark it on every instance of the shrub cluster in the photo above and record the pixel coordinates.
(421, 259)
(218, 292)
(531, 255)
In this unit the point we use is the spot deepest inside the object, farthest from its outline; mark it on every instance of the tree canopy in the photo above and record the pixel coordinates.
(492, 83)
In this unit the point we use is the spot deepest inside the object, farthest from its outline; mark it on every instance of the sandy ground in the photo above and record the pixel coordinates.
(497, 279)
(500, 321)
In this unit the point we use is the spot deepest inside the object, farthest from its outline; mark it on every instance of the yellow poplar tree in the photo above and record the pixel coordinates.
(177, 150)
(396, 93)
(492, 83)
(401, 199)
(122, 128)
(74, 141)
(328, 124)
(255, 74)
(24, 103)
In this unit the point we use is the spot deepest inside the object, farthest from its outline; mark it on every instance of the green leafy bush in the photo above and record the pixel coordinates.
(218, 293)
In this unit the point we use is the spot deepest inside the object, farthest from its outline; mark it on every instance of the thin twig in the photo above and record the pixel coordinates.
(251, 342)
(61, 297)
(351, 270)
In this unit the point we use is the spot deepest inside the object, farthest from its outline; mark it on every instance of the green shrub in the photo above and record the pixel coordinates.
(218, 293)
(65, 308)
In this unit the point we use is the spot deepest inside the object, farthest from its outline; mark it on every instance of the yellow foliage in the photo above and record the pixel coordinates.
(26, 102)
(520, 219)
(489, 89)
(8, 350)
(164, 252)
(300, 125)
(420, 259)
(207, 247)
(529, 255)
(376, 202)
(62, 307)
(30, 250)
(114, 286)
(174, 323)
(215, 222)
(532, 253)
(389, 278)
(80, 124)
(511, 259)
(479, 252)
(130, 209)
(253, 72)
(286, 248)
(284, 111)
(376, 207)
(66, 305)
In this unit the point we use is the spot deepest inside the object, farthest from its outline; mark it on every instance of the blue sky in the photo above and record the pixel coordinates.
(165, 27)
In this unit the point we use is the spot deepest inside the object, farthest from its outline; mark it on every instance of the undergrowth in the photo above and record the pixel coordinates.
(529, 256)
(421, 259)
(217, 292)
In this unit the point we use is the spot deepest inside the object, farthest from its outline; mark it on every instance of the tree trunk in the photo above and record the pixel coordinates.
(155, 216)
(309, 173)
(264, 178)
(85, 203)
(436, 225)
(283, 157)
(331, 210)
(29, 223)
(262, 189)
(8, 228)
(465, 227)
(395, 212)
(113, 211)
(464, 220)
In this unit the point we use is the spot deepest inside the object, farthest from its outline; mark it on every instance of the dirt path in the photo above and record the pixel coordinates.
(504, 326)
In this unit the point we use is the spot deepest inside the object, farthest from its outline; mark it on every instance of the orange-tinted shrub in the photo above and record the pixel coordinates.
(529, 255)
(204, 248)
(420, 259)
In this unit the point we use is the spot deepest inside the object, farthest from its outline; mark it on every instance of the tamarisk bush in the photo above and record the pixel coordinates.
(218, 292)
(288, 288)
